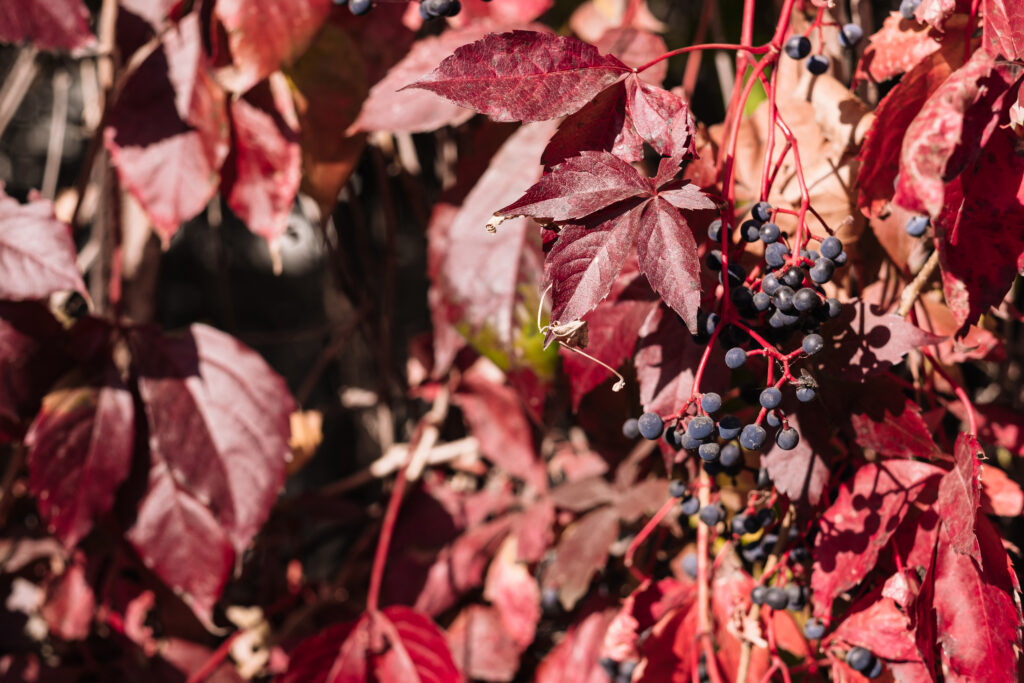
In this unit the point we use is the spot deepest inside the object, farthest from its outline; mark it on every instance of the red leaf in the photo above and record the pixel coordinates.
(218, 421)
(418, 652)
(80, 450)
(860, 523)
(523, 75)
(636, 47)
(264, 34)
(978, 255)
(413, 111)
(644, 608)
(976, 618)
(262, 175)
(865, 340)
(896, 48)
(670, 649)
(585, 262)
(935, 12)
(896, 432)
(583, 494)
(803, 471)
(37, 253)
(880, 626)
(575, 658)
(1000, 495)
(997, 425)
(480, 645)
(70, 603)
(603, 124)
(579, 187)
(936, 132)
(667, 254)
(501, 11)
(661, 118)
(959, 496)
(582, 551)
(514, 592)
(496, 418)
(168, 131)
(533, 532)
(49, 24)
(1003, 27)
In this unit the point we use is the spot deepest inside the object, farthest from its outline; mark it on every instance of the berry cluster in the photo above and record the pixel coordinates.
(429, 9)
(799, 47)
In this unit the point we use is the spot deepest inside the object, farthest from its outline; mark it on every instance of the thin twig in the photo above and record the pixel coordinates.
(913, 290)
(19, 80)
(58, 127)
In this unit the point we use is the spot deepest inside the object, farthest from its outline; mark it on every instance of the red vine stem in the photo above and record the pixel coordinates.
(706, 46)
(215, 660)
(642, 536)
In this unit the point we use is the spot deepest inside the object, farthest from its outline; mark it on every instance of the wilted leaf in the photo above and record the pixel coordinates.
(37, 253)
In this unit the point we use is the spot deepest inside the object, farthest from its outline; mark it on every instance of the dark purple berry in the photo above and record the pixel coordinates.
(860, 659)
(775, 254)
(650, 425)
(729, 427)
(908, 8)
(760, 301)
(770, 398)
(917, 225)
(708, 452)
(730, 455)
(776, 598)
(690, 505)
(770, 233)
(360, 7)
(758, 595)
(762, 212)
(689, 564)
(711, 514)
(850, 35)
(677, 488)
(751, 230)
(814, 629)
(817, 64)
(752, 437)
(787, 439)
(770, 284)
(805, 299)
(735, 358)
(831, 247)
(794, 277)
(812, 344)
(700, 427)
(798, 47)
(711, 402)
(805, 394)
(715, 230)
(630, 428)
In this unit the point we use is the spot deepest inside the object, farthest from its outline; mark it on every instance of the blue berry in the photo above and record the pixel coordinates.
(760, 301)
(781, 320)
(742, 297)
(860, 659)
(772, 418)
(689, 565)
(876, 670)
(783, 298)
(831, 247)
(794, 277)
(714, 260)
(769, 233)
(710, 323)
(715, 230)
(812, 344)
(765, 517)
(751, 230)
(729, 427)
(776, 598)
(814, 629)
(817, 64)
(758, 595)
(690, 505)
(805, 299)
(835, 309)
(730, 455)
(762, 211)
(840, 260)
(822, 270)
(753, 553)
(672, 438)
(739, 525)
(711, 402)
(908, 8)
(770, 398)
(797, 47)
(360, 7)
(650, 425)
(770, 284)
(775, 254)
(711, 514)
(689, 443)
(752, 437)
(917, 225)
(700, 427)
(630, 429)
(735, 358)
(805, 394)
(764, 480)
(850, 35)
(796, 596)
(677, 488)
(708, 451)
(737, 274)
(787, 439)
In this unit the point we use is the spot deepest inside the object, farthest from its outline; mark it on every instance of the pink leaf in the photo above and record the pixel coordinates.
(523, 75)
(80, 450)
(418, 652)
(575, 658)
(661, 118)
(261, 177)
(480, 645)
(896, 48)
(49, 24)
(582, 551)
(802, 472)
(168, 131)
(860, 523)
(583, 494)
(667, 254)
(264, 34)
(513, 591)
(533, 531)
(70, 603)
(877, 624)
(896, 431)
(1000, 495)
(636, 47)
(579, 187)
(37, 253)
(500, 11)
(1003, 27)
(959, 496)
(218, 420)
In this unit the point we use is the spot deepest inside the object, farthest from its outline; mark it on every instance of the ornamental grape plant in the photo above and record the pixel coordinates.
(651, 341)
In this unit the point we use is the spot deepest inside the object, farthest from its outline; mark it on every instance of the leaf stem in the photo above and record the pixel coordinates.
(760, 50)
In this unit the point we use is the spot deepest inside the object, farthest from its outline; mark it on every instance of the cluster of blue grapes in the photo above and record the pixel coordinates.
(799, 47)
(429, 9)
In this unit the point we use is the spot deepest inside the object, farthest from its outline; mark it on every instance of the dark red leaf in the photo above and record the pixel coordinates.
(582, 551)
(70, 603)
(896, 48)
(960, 496)
(644, 608)
(481, 647)
(603, 124)
(261, 176)
(575, 658)
(661, 118)
(418, 652)
(80, 450)
(316, 657)
(803, 472)
(585, 262)
(514, 592)
(49, 24)
(496, 418)
(667, 254)
(896, 431)
(218, 420)
(860, 523)
(643, 498)
(1003, 27)
(168, 132)
(1000, 495)
(265, 34)
(533, 531)
(579, 187)
(583, 494)
(524, 75)
(37, 253)
(976, 619)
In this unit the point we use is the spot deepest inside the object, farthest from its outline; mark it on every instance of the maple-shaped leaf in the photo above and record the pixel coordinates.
(514, 592)
(894, 429)
(865, 340)
(168, 131)
(261, 176)
(1003, 28)
(48, 24)
(860, 523)
(960, 496)
(330, 84)
(523, 75)
(395, 645)
(265, 34)
(609, 207)
(80, 450)
(37, 253)
(896, 48)
(481, 647)
(218, 425)
(976, 617)
(575, 659)
(582, 550)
